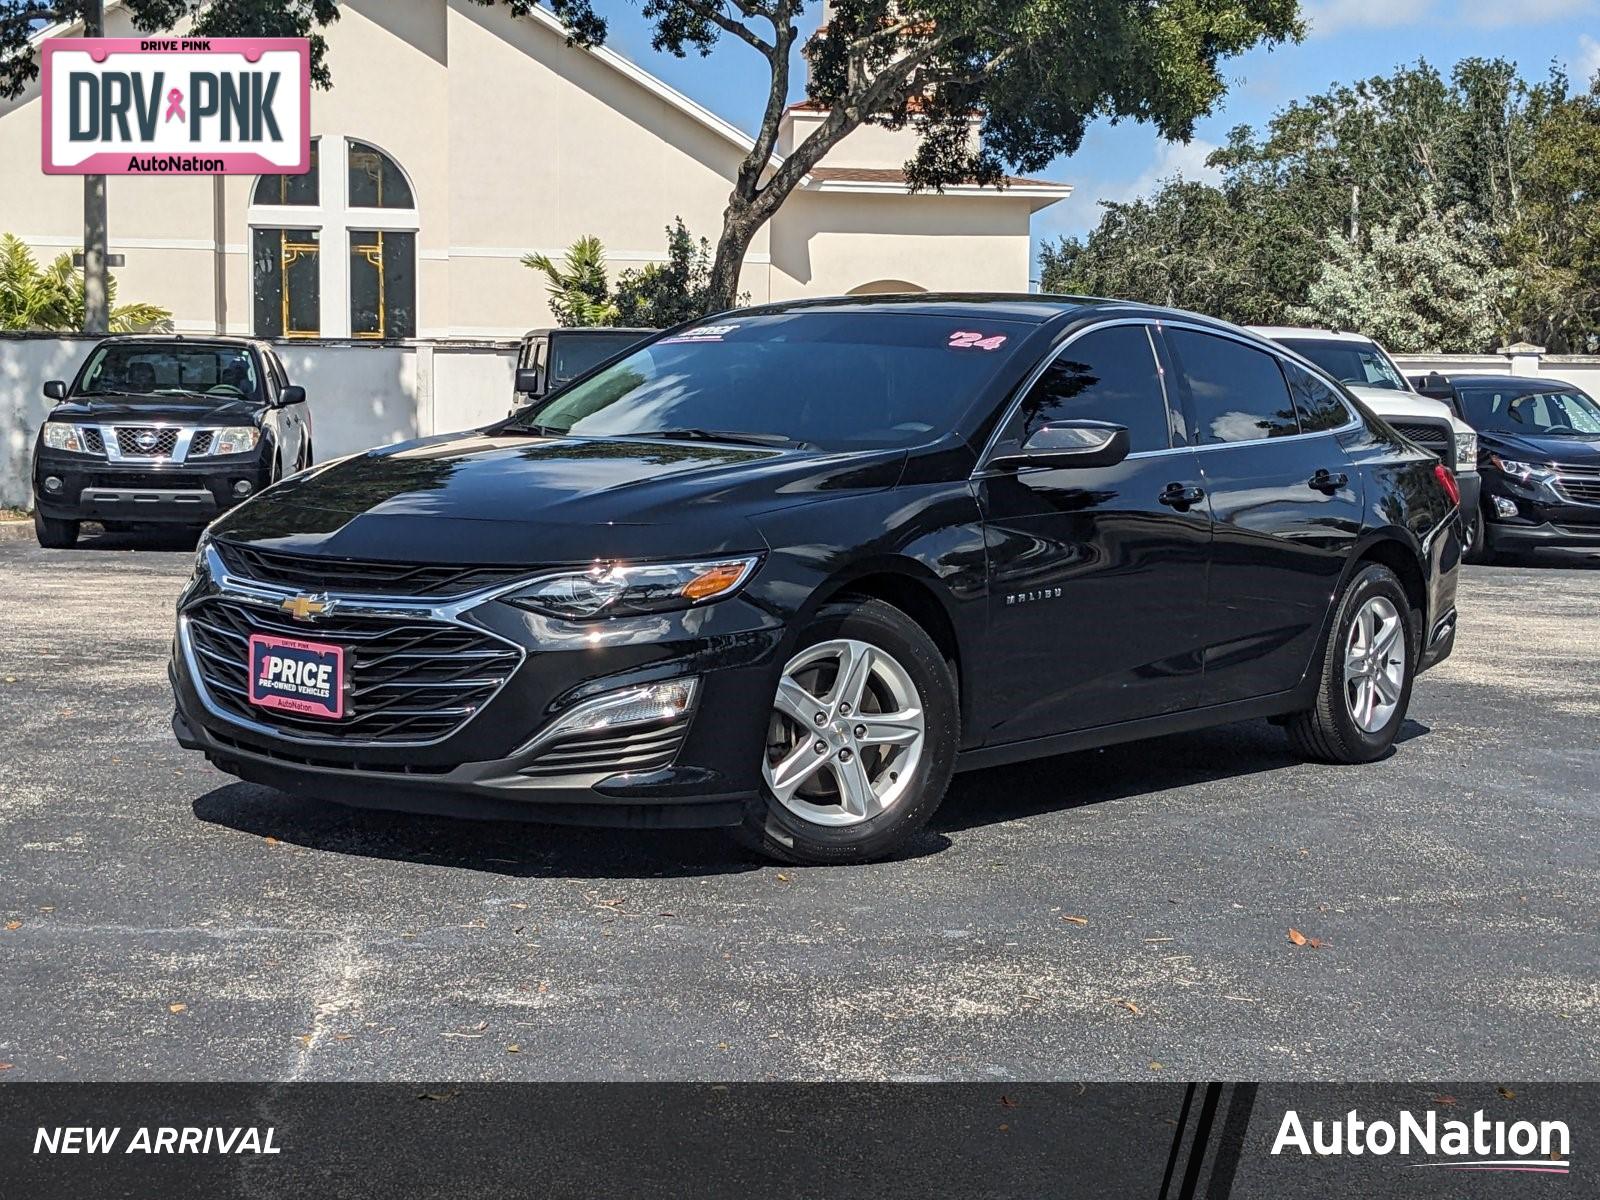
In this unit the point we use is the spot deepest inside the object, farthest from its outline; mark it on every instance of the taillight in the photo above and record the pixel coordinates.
(1447, 480)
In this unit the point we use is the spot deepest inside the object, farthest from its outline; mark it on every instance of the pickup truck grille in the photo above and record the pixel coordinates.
(409, 680)
(349, 577)
(146, 441)
(1436, 439)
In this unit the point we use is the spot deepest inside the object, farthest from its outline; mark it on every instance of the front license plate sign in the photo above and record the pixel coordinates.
(306, 678)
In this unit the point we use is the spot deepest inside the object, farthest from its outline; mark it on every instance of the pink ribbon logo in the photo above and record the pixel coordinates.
(175, 105)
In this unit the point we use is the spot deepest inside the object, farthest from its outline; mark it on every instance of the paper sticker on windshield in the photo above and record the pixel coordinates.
(966, 339)
(701, 333)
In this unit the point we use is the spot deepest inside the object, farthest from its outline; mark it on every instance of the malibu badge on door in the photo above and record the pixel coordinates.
(306, 678)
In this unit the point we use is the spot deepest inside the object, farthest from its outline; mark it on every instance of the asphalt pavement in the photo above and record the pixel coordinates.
(1115, 914)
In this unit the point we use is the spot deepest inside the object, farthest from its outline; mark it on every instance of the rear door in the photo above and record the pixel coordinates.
(1097, 576)
(1286, 503)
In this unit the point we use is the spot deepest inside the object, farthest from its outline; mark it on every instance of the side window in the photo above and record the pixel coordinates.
(1107, 375)
(1317, 404)
(1239, 392)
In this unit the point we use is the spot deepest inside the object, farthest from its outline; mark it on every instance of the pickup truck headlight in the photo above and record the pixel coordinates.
(241, 439)
(1525, 472)
(620, 589)
(1466, 451)
(58, 435)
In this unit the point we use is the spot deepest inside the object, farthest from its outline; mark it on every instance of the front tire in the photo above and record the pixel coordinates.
(861, 742)
(1478, 550)
(54, 534)
(1368, 666)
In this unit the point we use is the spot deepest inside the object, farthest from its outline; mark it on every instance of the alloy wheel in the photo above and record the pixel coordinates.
(1375, 664)
(846, 734)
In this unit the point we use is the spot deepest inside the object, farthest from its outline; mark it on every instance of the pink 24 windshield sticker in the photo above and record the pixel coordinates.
(964, 339)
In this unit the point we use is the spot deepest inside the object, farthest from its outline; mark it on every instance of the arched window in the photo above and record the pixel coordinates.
(365, 217)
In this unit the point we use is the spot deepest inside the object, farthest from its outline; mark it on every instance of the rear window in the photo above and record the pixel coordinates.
(572, 356)
(826, 380)
(1354, 364)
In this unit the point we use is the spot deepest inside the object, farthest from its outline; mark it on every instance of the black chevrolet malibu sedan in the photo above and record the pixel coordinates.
(789, 568)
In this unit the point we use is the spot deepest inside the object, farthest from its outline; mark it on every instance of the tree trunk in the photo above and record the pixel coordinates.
(740, 220)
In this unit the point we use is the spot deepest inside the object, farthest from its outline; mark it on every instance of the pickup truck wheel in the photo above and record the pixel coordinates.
(861, 741)
(54, 534)
(1478, 550)
(1368, 666)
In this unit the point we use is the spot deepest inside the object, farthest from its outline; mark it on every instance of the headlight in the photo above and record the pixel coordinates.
(617, 589)
(201, 569)
(1526, 472)
(58, 435)
(239, 440)
(1466, 451)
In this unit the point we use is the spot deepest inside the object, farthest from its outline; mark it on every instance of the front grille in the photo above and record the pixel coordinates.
(130, 436)
(361, 578)
(610, 752)
(1579, 491)
(200, 443)
(1435, 439)
(163, 480)
(92, 441)
(408, 680)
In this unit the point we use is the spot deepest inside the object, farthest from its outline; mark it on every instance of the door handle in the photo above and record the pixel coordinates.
(1181, 496)
(1327, 481)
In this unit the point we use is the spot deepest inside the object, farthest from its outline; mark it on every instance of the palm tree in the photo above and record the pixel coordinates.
(50, 298)
(578, 287)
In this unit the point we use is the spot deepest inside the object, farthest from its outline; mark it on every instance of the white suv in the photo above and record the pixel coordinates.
(1366, 369)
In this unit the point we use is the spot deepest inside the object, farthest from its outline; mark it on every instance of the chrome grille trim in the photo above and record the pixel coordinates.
(119, 444)
(267, 599)
(610, 751)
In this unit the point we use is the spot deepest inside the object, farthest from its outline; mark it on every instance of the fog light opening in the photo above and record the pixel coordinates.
(52, 483)
(1504, 507)
(243, 488)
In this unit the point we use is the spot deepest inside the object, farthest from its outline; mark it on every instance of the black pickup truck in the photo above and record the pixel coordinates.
(165, 430)
(549, 358)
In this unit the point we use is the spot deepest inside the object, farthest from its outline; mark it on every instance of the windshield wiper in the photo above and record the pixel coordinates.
(719, 435)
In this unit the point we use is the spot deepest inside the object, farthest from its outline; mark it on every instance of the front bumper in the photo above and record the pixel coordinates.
(490, 765)
(1544, 516)
(95, 489)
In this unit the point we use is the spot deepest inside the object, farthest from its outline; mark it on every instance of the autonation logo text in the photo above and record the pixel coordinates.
(1478, 1144)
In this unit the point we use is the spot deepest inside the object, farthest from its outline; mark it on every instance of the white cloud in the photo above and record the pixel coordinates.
(1333, 16)
(1587, 61)
(1185, 159)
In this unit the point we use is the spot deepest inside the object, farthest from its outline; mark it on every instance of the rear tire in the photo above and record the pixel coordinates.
(54, 534)
(889, 730)
(1368, 667)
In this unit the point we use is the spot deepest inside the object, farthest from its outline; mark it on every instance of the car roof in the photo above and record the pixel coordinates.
(1305, 332)
(1512, 383)
(1021, 308)
(586, 330)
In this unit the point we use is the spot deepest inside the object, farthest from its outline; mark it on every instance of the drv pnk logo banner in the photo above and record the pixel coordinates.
(177, 106)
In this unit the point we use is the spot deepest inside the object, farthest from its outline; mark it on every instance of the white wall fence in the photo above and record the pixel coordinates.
(367, 394)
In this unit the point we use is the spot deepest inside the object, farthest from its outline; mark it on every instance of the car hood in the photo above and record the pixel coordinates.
(1393, 405)
(1575, 451)
(122, 409)
(487, 498)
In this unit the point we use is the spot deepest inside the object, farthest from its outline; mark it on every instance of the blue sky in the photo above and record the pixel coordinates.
(1349, 39)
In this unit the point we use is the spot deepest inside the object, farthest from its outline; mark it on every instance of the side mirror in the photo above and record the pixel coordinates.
(1069, 444)
(292, 394)
(55, 390)
(528, 380)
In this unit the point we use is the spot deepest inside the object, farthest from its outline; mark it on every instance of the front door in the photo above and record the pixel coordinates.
(1097, 576)
(1286, 504)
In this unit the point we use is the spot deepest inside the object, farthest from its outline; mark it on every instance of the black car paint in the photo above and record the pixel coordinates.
(1130, 647)
(1546, 516)
(286, 440)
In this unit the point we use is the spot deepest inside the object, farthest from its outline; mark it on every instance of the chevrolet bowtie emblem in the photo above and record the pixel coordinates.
(303, 608)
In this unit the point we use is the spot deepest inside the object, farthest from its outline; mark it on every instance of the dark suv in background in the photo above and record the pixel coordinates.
(1539, 457)
(165, 430)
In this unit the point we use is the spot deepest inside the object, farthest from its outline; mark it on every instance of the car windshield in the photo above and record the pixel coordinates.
(1554, 414)
(131, 369)
(1354, 364)
(827, 380)
(571, 356)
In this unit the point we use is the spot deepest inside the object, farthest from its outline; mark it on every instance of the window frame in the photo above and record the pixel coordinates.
(1194, 409)
(1157, 326)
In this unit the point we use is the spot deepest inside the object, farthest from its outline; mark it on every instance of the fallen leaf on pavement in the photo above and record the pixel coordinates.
(440, 1096)
(1124, 1002)
(6, 1066)
(176, 1008)
(1077, 920)
(13, 925)
(782, 878)
(513, 1049)
(270, 840)
(1445, 1101)
(1155, 1066)
(1007, 1102)
(1507, 1094)
(1295, 936)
